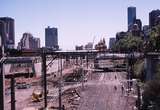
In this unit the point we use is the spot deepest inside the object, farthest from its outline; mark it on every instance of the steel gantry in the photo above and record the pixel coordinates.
(43, 55)
(24, 57)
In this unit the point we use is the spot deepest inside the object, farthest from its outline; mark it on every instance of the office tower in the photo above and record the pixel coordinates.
(9, 30)
(153, 17)
(131, 16)
(112, 41)
(29, 42)
(51, 38)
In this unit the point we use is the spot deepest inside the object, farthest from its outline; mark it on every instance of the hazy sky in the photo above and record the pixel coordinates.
(78, 21)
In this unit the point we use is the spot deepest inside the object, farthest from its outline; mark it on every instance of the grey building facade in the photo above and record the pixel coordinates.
(9, 40)
(51, 38)
(28, 42)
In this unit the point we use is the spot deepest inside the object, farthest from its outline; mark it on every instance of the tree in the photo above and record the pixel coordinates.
(151, 94)
(128, 43)
(153, 43)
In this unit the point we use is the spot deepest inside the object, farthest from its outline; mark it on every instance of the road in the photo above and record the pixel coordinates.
(100, 93)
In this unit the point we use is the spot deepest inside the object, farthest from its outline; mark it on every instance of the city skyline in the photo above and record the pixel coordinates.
(77, 21)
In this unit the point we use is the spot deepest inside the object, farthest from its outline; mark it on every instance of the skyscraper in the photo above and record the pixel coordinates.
(131, 16)
(9, 31)
(51, 38)
(153, 17)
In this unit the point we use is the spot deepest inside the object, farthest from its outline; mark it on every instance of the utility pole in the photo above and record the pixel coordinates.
(129, 74)
(13, 107)
(82, 72)
(60, 85)
(130, 70)
(43, 56)
(2, 86)
(139, 97)
(87, 60)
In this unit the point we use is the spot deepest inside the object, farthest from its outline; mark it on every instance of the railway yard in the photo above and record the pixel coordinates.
(82, 88)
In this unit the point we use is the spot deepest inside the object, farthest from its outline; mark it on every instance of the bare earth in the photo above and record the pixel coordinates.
(102, 91)
(101, 94)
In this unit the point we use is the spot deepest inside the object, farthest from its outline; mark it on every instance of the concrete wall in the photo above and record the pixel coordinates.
(50, 69)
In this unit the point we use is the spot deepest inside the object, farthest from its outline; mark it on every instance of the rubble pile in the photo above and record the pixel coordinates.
(71, 98)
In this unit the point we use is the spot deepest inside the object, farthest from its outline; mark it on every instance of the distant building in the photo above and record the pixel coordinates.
(153, 17)
(146, 31)
(2, 36)
(9, 40)
(135, 30)
(131, 16)
(101, 45)
(89, 46)
(157, 20)
(120, 35)
(51, 38)
(2, 30)
(139, 23)
(112, 41)
(29, 42)
(79, 47)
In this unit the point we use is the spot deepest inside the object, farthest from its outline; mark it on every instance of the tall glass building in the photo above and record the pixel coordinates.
(131, 16)
(51, 38)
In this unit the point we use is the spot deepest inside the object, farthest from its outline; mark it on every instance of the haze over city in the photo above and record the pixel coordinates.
(78, 21)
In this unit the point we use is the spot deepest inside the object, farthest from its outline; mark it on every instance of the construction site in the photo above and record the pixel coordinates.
(79, 83)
